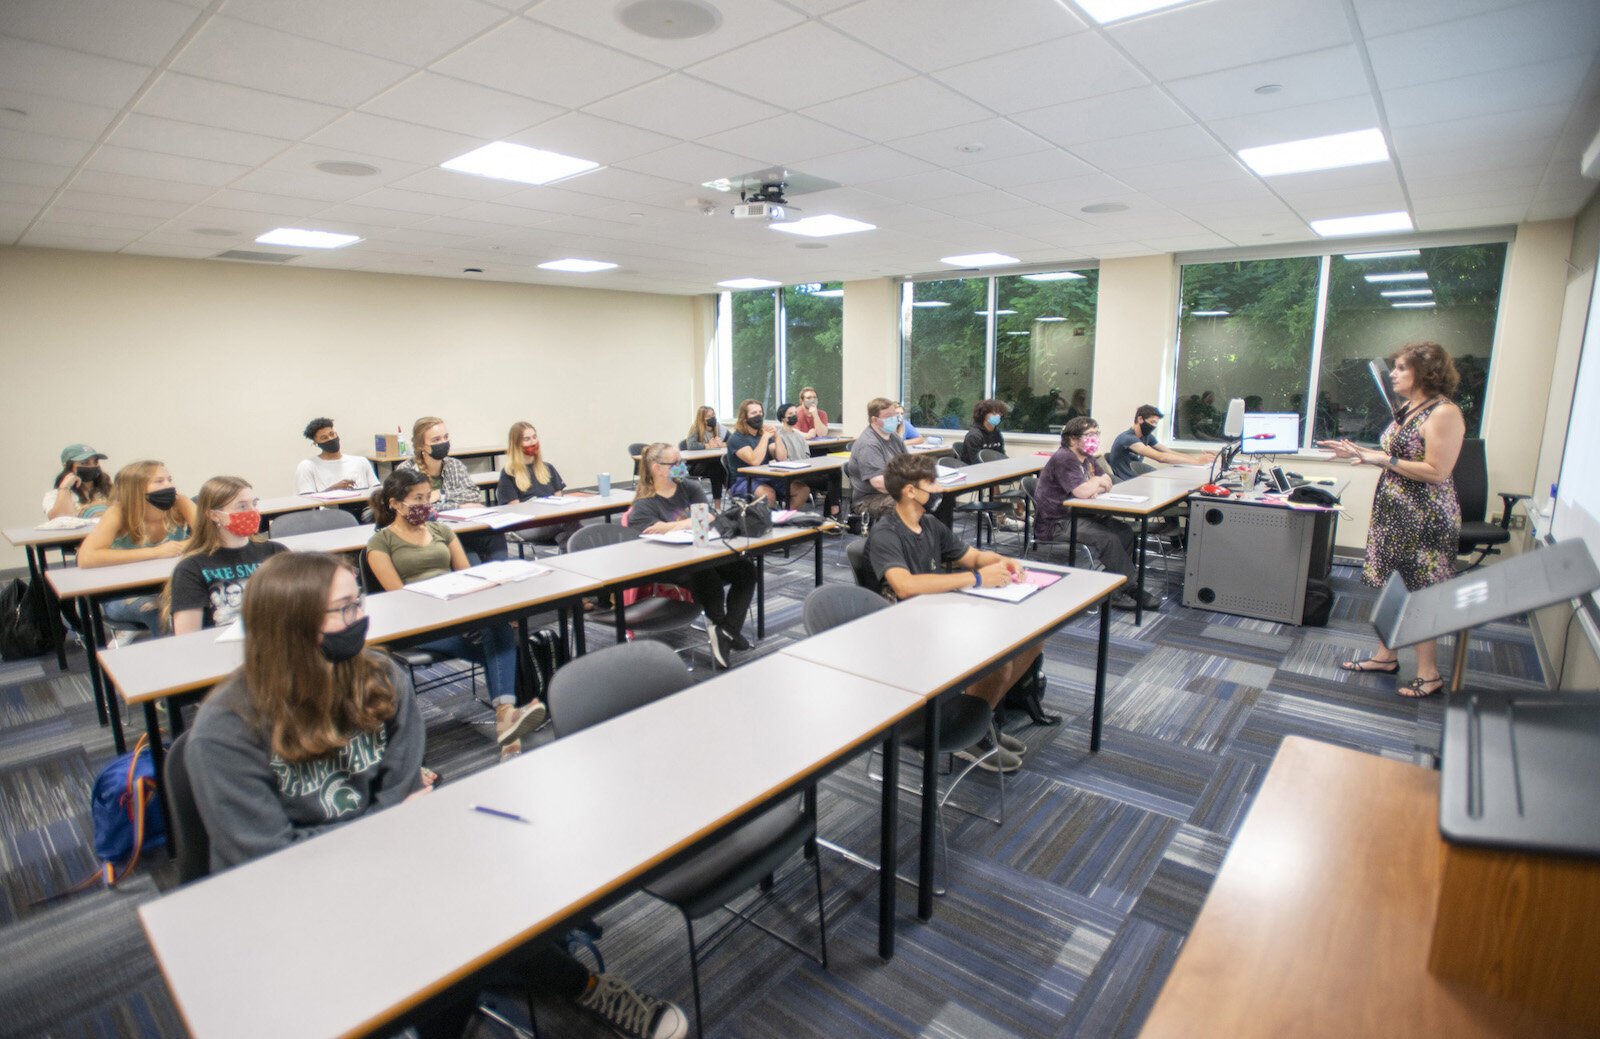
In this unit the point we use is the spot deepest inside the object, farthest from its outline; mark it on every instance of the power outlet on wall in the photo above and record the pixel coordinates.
(1518, 521)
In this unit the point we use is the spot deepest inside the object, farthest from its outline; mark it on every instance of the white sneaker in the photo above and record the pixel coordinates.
(511, 723)
(632, 1013)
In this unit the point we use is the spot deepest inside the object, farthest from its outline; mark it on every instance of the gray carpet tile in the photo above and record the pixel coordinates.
(1061, 921)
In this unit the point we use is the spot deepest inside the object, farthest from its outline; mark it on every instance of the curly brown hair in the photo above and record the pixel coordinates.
(984, 408)
(1431, 366)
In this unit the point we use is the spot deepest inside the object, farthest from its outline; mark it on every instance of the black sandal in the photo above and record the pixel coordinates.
(1416, 689)
(1360, 666)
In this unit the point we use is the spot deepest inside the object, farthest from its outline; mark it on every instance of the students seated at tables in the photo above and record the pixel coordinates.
(984, 434)
(1139, 441)
(754, 441)
(315, 731)
(527, 475)
(207, 586)
(794, 446)
(914, 554)
(82, 488)
(813, 421)
(908, 432)
(877, 445)
(1073, 472)
(147, 519)
(661, 502)
(409, 546)
(330, 469)
(706, 433)
(452, 484)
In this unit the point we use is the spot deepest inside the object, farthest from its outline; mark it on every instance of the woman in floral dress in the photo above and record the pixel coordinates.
(1416, 520)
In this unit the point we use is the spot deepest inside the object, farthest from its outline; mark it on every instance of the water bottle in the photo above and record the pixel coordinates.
(700, 523)
(403, 448)
(602, 484)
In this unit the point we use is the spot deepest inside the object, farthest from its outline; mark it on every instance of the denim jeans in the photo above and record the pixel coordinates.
(496, 650)
(142, 610)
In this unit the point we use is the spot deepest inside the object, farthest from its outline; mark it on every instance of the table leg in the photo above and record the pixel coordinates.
(761, 595)
(87, 627)
(1027, 524)
(1072, 539)
(621, 614)
(98, 676)
(1138, 591)
(54, 627)
(816, 553)
(580, 632)
(888, 844)
(1100, 675)
(1458, 672)
(930, 807)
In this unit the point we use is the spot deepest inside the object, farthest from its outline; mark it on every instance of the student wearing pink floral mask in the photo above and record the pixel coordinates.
(1074, 471)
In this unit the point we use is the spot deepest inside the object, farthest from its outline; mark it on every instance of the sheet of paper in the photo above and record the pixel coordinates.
(67, 523)
(232, 633)
(505, 571)
(790, 465)
(502, 520)
(1008, 593)
(678, 537)
(470, 513)
(450, 586)
(343, 495)
(1127, 499)
(560, 499)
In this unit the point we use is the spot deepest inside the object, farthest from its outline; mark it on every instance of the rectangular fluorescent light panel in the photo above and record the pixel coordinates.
(1378, 279)
(979, 260)
(1317, 153)
(1054, 276)
(304, 239)
(1208, 313)
(829, 293)
(1107, 11)
(749, 283)
(577, 266)
(1383, 256)
(1403, 306)
(503, 160)
(930, 303)
(823, 226)
(1406, 292)
(1038, 319)
(1372, 223)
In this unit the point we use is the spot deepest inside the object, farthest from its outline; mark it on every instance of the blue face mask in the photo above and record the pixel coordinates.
(993, 421)
(891, 423)
(679, 470)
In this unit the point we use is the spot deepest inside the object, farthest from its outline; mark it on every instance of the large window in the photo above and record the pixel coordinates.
(755, 362)
(1298, 335)
(787, 339)
(1035, 351)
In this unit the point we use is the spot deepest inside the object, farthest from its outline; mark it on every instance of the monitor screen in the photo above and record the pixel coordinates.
(1271, 434)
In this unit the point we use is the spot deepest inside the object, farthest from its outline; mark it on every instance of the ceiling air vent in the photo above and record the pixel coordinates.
(256, 257)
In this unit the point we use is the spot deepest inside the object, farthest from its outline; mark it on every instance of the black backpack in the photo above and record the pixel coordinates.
(24, 630)
(1319, 604)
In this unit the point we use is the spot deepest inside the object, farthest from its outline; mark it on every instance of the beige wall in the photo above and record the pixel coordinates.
(215, 367)
(871, 347)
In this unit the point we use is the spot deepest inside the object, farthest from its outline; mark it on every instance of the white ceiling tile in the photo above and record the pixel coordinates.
(900, 109)
(415, 34)
(541, 202)
(982, 206)
(410, 201)
(248, 224)
(1108, 115)
(1557, 208)
(254, 56)
(41, 148)
(29, 194)
(53, 115)
(1188, 41)
(785, 139)
(171, 137)
(257, 202)
(503, 216)
(177, 252)
(1147, 149)
(64, 215)
(999, 138)
(934, 34)
(742, 22)
(159, 166)
(1047, 73)
(1189, 175)
(1190, 197)
(1459, 201)
(1324, 205)
(304, 184)
(142, 31)
(1070, 193)
(692, 165)
(865, 164)
(1318, 119)
(1487, 92)
(392, 139)
(919, 187)
(1497, 40)
(833, 65)
(1183, 243)
(85, 200)
(1516, 125)
(34, 173)
(12, 213)
(682, 107)
(191, 100)
(590, 137)
(453, 104)
(1512, 214)
(37, 68)
(1446, 182)
(1382, 17)
(302, 159)
(458, 185)
(618, 183)
(1324, 75)
(45, 236)
(539, 62)
(1032, 168)
(132, 186)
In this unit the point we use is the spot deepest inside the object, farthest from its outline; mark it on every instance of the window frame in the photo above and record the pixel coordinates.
(780, 342)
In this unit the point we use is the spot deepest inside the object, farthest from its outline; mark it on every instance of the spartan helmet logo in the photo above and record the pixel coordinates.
(338, 799)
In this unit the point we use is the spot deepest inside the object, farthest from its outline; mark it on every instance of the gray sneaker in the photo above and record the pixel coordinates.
(632, 1013)
(1011, 743)
(990, 759)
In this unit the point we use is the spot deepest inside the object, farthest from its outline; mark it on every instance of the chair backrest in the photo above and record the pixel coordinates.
(1471, 478)
(1030, 485)
(836, 604)
(600, 685)
(856, 553)
(989, 454)
(596, 535)
(309, 521)
(186, 828)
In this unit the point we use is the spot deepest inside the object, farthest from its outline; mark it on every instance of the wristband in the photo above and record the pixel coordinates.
(977, 579)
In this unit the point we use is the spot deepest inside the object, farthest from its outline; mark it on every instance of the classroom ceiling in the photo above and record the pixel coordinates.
(185, 128)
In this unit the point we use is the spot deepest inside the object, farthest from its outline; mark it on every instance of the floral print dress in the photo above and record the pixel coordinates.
(1416, 526)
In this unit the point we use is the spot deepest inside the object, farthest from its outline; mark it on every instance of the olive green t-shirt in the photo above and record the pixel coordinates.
(414, 562)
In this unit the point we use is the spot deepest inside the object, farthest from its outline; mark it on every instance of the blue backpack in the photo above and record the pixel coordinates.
(127, 812)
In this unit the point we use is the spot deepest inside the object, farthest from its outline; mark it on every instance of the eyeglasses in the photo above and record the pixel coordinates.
(350, 612)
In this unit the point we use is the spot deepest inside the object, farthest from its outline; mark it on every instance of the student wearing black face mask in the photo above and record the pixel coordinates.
(1139, 441)
(754, 442)
(82, 488)
(147, 519)
(452, 484)
(331, 469)
(706, 433)
(795, 446)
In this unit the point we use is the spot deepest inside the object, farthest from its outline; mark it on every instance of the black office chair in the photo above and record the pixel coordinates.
(651, 616)
(1030, 487)
(309, 521)
(622, 678)
(185, 828)
(860, 566)
(1471, 477)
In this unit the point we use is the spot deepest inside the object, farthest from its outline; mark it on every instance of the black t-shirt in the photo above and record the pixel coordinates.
(508, 491)
(982, 438)
(214, 584)
(893, 544)
(1121, 457)
(739, 441)
(671, 509)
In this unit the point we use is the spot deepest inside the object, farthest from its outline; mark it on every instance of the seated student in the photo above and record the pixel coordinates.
(1139, 441)
(1072, 472)
(315, 731)
(705, 434)
(877, 445)
(331, 469)
(794, 446)
(207, 586)
(147, 519)
(813, 421)
(661, 502)
(754, 441)
(410, 546)
(907, 430)
(914, 554)
(82, 488)
(527, 475)
(985, 433)
(452, 484)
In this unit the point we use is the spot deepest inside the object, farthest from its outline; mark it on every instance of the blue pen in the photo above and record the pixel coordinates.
(503, 815)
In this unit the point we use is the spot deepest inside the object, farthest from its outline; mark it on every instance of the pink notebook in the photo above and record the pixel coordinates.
(1040, 578)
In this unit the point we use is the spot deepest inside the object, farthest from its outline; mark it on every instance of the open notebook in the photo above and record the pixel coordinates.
(1032, 581)
(477, 578)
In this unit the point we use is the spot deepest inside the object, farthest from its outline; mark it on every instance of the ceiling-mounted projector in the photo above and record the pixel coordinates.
(758, 211)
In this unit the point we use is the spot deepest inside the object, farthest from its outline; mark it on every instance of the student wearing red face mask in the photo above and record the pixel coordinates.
(207, 586)
(527, 475)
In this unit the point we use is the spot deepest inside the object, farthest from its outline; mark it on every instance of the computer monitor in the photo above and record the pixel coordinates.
(1267, 433)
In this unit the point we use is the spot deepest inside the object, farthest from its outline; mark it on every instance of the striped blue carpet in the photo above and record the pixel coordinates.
(1062, 921)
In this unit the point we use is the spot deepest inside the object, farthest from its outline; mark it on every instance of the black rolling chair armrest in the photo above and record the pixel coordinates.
(1508, 501)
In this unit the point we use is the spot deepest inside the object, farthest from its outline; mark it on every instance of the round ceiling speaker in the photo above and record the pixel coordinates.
(669, 19)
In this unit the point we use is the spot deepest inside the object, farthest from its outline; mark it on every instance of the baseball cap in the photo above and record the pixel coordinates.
(79, 453)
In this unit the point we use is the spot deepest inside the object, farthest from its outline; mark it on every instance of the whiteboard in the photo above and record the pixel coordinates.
(1577, 506)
